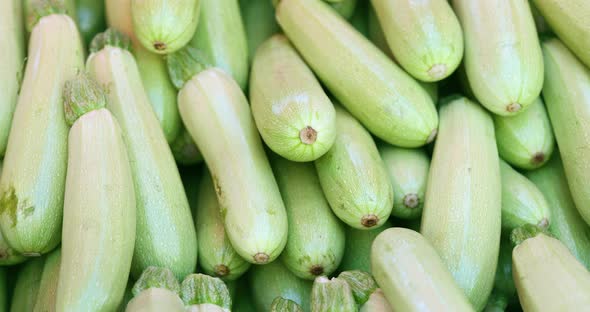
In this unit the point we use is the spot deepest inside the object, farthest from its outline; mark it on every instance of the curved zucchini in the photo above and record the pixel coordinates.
(33, 179)
(332, 295)
(357, 252)
(504, 291)
(425, 36)
(217, 257)
(294, 116)
(45, 301)
(27, 285)
(184, 149)
(91, 18)
(259, 23)
(408, 171)
(253, 213)
(353, 176)
(567, 96)
(526, 140)
(462, 210)
(359, 75)
(315, 243)
(165, 231)
(505, 66)
(156, 300)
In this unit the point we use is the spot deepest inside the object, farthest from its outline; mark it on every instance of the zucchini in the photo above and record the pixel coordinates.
(522, 201)
(315, 243)
(259, 23)
(33, 179)
(425, 37)
(376, 303)
(91, 18)
(359, 75)
(569, 20)
(156, 300)
(27, 285)
(505, 66)
(165, 233)
(462, 209)
(199, 289)
(361, 284)
(281, 304)
(504, 291)
(345, 8)
(217, 257)
(353, 176)
(99, 208)
(118, 16)
(45, 301)
(184, 149)
(526, 140)
(567, 95)
(292, 113)
(566, 223)
(376, 34)
(357, 252)
(408, 171)
(400, 257)
(254, 214)
(12, 37)
(332, 295)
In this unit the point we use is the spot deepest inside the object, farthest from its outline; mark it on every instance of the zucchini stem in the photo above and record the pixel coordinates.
(82, 95)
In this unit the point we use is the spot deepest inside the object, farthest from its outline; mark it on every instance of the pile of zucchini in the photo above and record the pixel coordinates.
(294, 155)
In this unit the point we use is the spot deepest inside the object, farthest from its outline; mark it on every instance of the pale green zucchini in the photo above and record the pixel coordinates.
(294, 116)
(259, 23)
(357, 252)
(8, 256)
(332, 295)
(200, 289)
(359, 74)
(462, 209)
(503, 58)
(27, 285)
(156, 277)
(45, 301)
(156, 300)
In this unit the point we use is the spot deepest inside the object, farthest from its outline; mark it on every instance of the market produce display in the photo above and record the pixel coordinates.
(294, 155)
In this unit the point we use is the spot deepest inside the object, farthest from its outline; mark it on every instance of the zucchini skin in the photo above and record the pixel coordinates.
(254, 214)
(359, 75)
(259, 23)
(165, 233)
(400, 257)
(462, 210)
(98, 234)
(567, 96)
(27, 285)
(353, 176)
(46, 297)
(357, 251)
(315, 243)
(505, 66)
(294, 116)
(33, 179)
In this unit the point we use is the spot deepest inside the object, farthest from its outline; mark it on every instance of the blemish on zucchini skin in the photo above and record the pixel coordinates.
(10, 204)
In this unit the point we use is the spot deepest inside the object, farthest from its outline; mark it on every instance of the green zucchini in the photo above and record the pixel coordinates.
(91, 18)
(27, 285)
(425, 36)
(359, 74)
(567, 96)
(200, 289)
(503, 58)
(294, 116)
(569, 20)
(504, 291)
(217, 257)
(33, 179)
(165, 231)
(526, 140)
(274, 279)
(357, 252)
(315, 243)
(400, 257)
(345, 8)
(259, 23)
(353, 176)
(462, 209)
(361, 284)
(45, 301)
(376, 303)
(408, 171)
(281, 304)
(184, 149)
(254, 214)
(99, 208)
(332, 295)
(566, 223)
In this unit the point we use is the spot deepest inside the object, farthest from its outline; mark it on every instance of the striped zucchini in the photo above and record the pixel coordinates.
(503, 58)
(259, 23)
(292, 113)
(45, 301)
(359, 75)
(332, 295)
(462, 209)
(27, 285)
(357, 252)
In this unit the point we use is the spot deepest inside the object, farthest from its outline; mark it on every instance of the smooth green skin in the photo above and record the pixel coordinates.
(169, 30)
(159, 89)
(99, 216)
(259, 23)
(165, 233)
(13, 56)
(504, 66)
(33, 179)
(332, 295)
(402, 257)
(425, 36)
(49, 280)
(156, 300)
(353, 176)
(408, 171)
(91, 18)
(462, 210)
(254, 214)
(217, 256)
(185, 150)
(504, 289)
(287, 99)
(27, 285)
(567, 96)
(569, 20)
(274, 279)
(222, 38)
(315, 243)
(357, 252)
(566, 223)
(359, 75)
(345, 8)
(526, 140)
